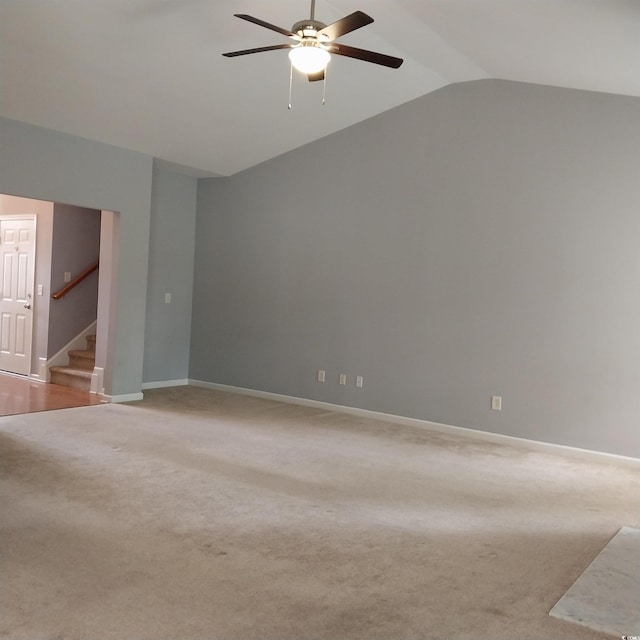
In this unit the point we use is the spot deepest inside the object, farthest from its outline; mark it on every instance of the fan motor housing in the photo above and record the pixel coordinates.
(307, 28)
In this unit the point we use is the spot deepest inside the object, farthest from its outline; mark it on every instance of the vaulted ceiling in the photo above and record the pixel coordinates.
(148, 75)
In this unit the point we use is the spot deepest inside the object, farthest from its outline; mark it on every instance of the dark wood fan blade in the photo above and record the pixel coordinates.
(244, 52)
(367, 56)
(267, 25)
(344, 25)
(314, 77)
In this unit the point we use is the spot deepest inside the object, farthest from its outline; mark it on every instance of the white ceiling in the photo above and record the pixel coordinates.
(148, 75)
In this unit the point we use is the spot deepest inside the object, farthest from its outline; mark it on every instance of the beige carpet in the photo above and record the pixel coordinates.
(200, 515)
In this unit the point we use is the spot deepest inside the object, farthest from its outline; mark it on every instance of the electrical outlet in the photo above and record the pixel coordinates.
(67, 276)
(321, 375)
(343, 379)
(359, 382)
(496, 403)
(167, 298)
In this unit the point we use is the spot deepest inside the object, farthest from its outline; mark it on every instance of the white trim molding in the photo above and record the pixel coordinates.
(126, 397)
(97, 380)
(163, 384)
(587, 455)
(43, 372)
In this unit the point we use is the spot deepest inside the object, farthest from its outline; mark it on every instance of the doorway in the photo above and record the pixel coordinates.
(70, 246)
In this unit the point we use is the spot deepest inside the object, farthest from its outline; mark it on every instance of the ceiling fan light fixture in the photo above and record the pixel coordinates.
(309, 57)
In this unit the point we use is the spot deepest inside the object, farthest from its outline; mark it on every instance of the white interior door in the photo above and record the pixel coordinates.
(17, 253)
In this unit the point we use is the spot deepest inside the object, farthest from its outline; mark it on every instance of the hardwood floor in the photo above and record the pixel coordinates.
(21, 395)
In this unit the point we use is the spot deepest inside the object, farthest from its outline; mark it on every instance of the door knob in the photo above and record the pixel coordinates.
(27, 306)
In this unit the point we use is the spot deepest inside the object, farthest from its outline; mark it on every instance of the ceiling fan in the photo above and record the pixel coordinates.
(315, 42)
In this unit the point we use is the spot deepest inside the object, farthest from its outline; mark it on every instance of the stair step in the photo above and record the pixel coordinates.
(71, 377)
(82, 359)
(91, 343)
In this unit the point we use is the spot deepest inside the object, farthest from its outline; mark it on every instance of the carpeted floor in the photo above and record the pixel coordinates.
(196, 514)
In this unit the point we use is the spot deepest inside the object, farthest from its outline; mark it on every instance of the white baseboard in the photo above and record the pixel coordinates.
(164, 384)
(534, 445)
(97, 380)
(43, 372)
(125, 397)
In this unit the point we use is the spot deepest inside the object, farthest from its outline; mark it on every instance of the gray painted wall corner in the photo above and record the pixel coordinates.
(171, 266)
(478, 241)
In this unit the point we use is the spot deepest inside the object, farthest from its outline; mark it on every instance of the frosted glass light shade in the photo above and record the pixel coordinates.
(309, 59)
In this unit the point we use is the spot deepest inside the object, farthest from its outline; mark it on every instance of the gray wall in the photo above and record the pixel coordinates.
(48, 165)
(76, 246)
(171, 256)
(480, 240)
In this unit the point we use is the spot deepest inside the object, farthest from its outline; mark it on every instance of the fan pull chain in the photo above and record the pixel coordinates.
(324, 87)
(290, 83)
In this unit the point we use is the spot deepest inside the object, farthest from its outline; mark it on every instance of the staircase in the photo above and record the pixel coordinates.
(77, 373)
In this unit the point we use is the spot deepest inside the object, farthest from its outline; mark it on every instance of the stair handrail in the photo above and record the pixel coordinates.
(75, 282)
